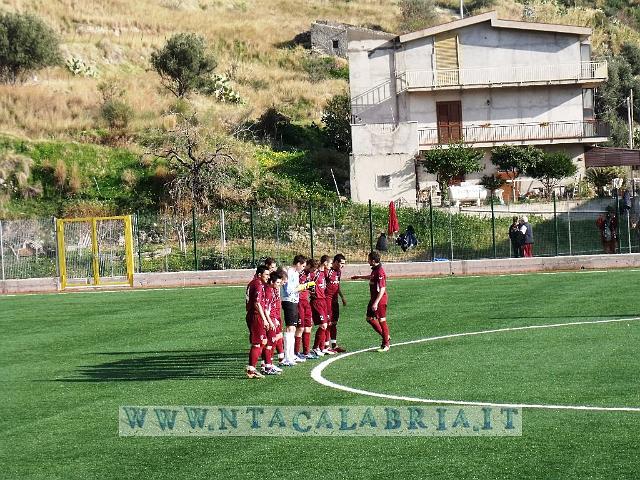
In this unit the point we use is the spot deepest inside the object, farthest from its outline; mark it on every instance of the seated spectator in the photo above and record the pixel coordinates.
(382, 245)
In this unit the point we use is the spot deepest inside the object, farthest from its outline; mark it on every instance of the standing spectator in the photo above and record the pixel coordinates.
(516, 237)
(608, 226)
(382, 245)
(527, 231)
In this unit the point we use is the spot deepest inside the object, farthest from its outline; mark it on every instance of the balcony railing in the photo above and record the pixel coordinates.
(490, 133)
(496, 76)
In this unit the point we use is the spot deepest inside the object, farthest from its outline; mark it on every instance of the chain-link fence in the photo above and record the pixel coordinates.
(240, 238)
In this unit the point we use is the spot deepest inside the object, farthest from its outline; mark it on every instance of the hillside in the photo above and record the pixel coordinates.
(251, 41)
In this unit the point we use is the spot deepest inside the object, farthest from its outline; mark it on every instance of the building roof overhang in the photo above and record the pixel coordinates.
(492, 17)
(611, 157)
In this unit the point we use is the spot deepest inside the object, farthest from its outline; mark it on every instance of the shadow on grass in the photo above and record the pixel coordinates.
(170, 365)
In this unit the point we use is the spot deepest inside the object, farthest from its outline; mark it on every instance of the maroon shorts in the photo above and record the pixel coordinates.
(328, 310)
(304, 312)
(318, 309)
(257, 332)
(380, 313)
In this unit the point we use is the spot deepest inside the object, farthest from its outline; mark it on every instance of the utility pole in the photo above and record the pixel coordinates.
(630, 117)
(461, 9)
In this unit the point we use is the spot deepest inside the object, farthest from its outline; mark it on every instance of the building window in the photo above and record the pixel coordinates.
(587, 104)
(336, 44)
(383, 182)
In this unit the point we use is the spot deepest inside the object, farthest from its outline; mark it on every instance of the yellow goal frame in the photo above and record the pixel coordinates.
(93, 222)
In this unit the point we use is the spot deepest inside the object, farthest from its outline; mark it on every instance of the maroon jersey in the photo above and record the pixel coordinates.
(318, 291)
(272, 299)
(304, 278)
(333, 282)
(377, 281)
(255, 294)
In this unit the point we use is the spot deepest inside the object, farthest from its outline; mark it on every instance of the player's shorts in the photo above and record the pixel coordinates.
(257, 332)
(328, 309)
(318, 310)
(278, 323)
(305, 315)
(291, 313)
(272, 336)
(378, 314)
(335, 310)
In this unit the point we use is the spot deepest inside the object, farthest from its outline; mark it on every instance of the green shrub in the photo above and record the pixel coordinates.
(117, 113)
(26, 44)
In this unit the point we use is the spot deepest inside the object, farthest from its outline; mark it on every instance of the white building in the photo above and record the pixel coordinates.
(480, 80)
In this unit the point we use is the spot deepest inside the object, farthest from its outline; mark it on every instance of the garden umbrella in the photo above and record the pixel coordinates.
(393, 220)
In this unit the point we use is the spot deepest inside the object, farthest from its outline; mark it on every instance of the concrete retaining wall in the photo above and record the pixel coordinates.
(413, 269)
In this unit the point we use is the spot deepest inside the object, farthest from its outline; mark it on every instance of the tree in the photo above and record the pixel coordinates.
(416, 15)
(492, 182)
(610, 102)
(451, 161)
(336, 117)
(26, 44)
(601, 177)
(183, 63)
(551, 168)
(201, 160)
(514, 160)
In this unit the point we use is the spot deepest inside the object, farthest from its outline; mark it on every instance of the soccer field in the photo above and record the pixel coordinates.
(69, 361)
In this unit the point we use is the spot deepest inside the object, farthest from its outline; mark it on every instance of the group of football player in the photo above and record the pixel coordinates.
(308, 294)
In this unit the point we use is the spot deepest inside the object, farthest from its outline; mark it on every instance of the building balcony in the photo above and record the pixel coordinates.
(487, 135)
(583, 73)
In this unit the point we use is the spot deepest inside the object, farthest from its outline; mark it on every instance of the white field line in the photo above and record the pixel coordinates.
(316, 373)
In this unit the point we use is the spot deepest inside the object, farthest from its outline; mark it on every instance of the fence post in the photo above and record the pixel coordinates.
(629, 229)
(618, 221)
(493, 228)
(139, 243)
(569, 225)
(370, 228)
(335, 235)
(223, 239)
(2, 250)
(450, 233)
(253, 237)
(433, 246)
(311, 228)
(164, 232)
(194, 226)
(555, 223)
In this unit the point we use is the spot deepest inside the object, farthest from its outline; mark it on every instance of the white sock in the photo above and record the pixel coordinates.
(288, 346)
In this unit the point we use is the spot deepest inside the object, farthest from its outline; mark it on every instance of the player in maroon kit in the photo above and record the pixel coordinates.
(377, 308)
(333, 307)
(302, 345)
(274, 335)
(319, 307)
(257, 321)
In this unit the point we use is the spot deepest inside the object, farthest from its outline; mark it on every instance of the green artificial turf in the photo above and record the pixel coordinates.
(69, 361)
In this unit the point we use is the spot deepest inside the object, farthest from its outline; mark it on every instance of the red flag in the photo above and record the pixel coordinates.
(393, 220)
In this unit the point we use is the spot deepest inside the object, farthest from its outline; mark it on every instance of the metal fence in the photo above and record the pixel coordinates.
(232, 238)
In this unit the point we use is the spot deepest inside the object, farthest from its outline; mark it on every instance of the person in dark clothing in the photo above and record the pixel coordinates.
(527, 232)
(382, 244)
(516, 237)
(410, 234)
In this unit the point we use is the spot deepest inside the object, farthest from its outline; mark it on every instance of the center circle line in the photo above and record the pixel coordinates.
(316, 373)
